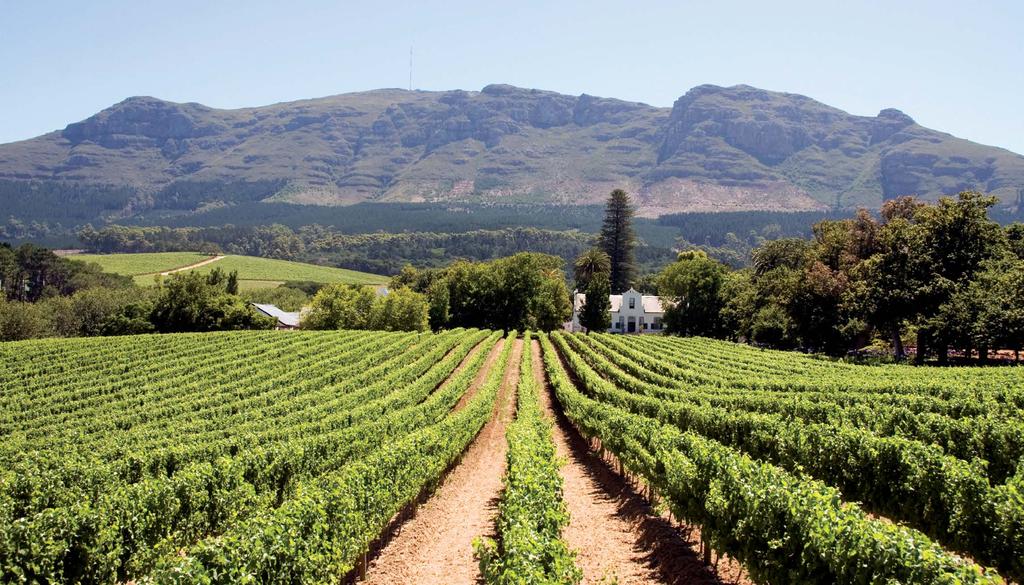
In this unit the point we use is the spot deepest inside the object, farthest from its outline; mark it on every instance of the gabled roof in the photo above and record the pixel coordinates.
(650, 303)
(286, 318)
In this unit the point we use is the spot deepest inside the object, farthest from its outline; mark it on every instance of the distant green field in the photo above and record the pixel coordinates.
(267, 269)
(252, 272)
(139, 264)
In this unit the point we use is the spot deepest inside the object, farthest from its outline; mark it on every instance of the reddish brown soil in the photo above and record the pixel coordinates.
(618, 537)
(481, 376)
(436, 545)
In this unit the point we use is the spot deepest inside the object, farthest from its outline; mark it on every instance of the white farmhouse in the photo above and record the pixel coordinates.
(632, 312)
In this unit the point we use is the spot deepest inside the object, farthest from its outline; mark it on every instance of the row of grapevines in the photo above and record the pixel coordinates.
(998, 439)
(948, 498)
(774, 370)
(783, 528)
(60, 397)
(53, 471)
(531, 513)
(243, 390)
(83, 403)
(319, 535)
(637, 366)
(114, 530)
(33, 362)
(746, 366)
(667, 369)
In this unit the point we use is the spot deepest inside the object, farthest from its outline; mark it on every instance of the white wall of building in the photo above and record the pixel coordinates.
(631, 312)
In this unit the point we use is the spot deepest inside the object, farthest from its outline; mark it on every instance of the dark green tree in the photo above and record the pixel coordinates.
(340, 306)
(1002, 316)
(694, 285)
(20, 320)
(1015, 238)
(188, 302)
(216, 277)
(99, 311)
(737, 313)
(758, 301)
(772, 325)
(958, 238)
(618, 240)
(646, 284)
(401, 309)
(820, 319)
(437, 300)
(890, 283)
(596, 312)
(524, 291)
(791, 253)
(988, 312)
(232, 283)
(30, 273)
(349, 306)
(531, 293)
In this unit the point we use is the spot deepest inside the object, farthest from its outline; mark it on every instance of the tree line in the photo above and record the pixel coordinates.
(45, 295)
(943, 275)
(379, 253)
(523, 291)
(940, 275)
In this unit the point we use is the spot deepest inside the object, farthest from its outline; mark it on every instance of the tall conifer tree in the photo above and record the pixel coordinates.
(617, 239)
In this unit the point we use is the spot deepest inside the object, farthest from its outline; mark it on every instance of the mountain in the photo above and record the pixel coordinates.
(716, 149)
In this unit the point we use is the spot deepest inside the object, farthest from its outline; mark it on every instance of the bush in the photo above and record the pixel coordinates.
(189, 302)
(347, 306)
(22, 321)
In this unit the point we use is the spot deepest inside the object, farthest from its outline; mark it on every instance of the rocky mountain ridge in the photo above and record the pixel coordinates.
(716, 149)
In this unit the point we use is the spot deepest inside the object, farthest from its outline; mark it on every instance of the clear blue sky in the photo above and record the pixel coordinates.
(956, 66)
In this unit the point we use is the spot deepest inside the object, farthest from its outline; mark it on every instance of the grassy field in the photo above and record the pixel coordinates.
(252, 272)
(274, 271)
(140, 264)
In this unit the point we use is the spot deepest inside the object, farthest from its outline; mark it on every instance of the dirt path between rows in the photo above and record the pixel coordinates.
(617, 536)
(436, 545)
(191, 266)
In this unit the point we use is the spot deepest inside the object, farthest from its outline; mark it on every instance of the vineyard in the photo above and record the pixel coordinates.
(297, 457)
(225, 457)
(806, 470)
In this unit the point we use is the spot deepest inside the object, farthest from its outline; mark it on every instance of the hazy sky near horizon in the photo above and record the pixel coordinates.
(953, 66)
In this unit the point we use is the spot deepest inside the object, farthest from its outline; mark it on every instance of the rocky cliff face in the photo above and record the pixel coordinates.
(717, 148)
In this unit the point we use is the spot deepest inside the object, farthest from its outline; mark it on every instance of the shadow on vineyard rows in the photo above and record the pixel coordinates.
(434, 543)
(613, 527)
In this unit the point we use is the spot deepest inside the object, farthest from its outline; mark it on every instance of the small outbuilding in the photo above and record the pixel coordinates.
(285, 319)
